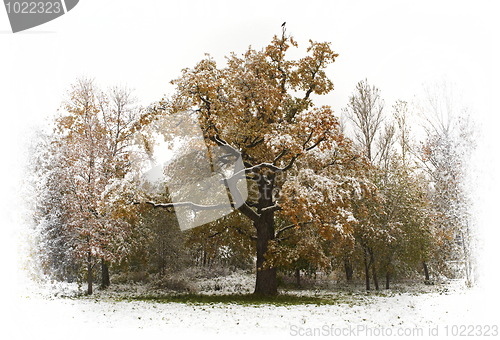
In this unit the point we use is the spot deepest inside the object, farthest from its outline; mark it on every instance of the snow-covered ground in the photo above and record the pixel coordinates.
(39, 312)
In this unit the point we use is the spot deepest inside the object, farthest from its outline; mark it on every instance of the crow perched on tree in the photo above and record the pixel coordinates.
(283, 24)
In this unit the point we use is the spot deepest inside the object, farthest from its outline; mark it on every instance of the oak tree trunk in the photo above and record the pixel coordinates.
(367, 272)
(348, 269)
(266, 277)
(89, 274)
(388, 270)
(297, 276)
(374, 271)
(426, 271)
(266, 283)
(105, 274)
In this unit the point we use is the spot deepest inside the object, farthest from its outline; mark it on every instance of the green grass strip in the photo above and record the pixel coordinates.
(243, 299)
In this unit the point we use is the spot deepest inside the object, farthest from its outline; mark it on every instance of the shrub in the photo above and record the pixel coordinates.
(177, 282)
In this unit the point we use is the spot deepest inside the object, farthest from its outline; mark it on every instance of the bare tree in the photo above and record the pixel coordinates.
(365, 110)
(440, 108)
(385, 145)
(401, 115)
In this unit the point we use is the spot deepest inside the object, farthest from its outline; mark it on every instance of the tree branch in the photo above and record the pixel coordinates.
(220, 142)
(315, 144)
(308, 139)
(255, 142)
(265, 165)
(279, 156)
(289, 164)
(244, 208)
(271, 208)
(252, 204)
(240, 231)
(193, 206)
(249, 212)
(214, 234)
(282, 230)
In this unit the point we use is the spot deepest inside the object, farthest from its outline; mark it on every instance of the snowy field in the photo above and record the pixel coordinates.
(53, 311)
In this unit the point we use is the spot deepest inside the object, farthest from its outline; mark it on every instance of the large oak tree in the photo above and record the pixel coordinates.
(260, 106)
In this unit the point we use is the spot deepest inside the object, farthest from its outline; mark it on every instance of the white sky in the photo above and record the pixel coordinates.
(397, 45)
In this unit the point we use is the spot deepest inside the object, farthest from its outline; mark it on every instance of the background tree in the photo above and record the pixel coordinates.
(365, 110)
(226, 242)
(91, 145)
(369, 235)
(394, 216)
(304, 251)
(401, 113)
(50, 217)
(445, 154)
(167, 253)
(405, 220)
